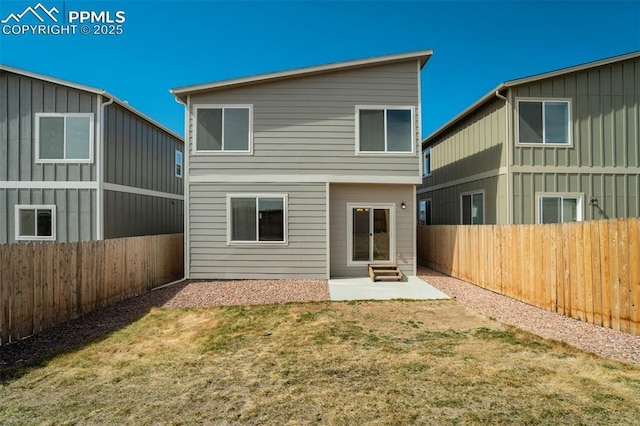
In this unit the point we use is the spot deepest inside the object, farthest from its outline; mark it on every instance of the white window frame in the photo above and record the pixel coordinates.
(222, 151)
(19, 207)
(545, 144)
(175, 166)
(392, 232)
(257, 196)
(424, 156)
(472, 193)
(426, 201)
(573, 195)
(385, 108)
(66, 115)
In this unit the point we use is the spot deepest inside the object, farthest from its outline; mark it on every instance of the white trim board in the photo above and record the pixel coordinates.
(46, 184)
(491, 173)
(296, 178)
(140, 191)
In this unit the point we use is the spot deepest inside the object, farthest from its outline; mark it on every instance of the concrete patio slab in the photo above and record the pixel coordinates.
(343, 289)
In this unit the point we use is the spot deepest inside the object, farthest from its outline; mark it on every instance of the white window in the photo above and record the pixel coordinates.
(223, 128)
(426, 158)
(260, 218)
(35, 222)
(555, 208)
(178, 166)
(472, 208)
(64, 138)
(384, 129)
(544, 122)
(424, 213)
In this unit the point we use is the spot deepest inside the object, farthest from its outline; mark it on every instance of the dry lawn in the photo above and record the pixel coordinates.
(392, 362)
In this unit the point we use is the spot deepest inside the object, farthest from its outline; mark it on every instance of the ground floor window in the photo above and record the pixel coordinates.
(424, 214)
(257, 218)
(35, 222)
(559, 208)
(472, 208)
(370, 233)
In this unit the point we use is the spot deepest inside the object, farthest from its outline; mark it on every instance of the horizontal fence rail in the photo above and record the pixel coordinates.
(42, 285)
(584, 270)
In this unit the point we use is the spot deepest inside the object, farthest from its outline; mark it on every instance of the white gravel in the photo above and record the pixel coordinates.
(593, 338)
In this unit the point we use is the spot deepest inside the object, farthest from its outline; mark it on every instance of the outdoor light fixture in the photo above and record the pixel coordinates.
(403, 206)
(593, 201)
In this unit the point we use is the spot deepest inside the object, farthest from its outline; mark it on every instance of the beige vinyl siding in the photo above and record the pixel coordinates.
(341, 194)
(445, 203)
(303, 256)
(306, 125)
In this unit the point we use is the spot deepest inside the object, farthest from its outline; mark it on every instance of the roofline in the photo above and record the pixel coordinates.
(422, 55)
(527, 80)
(89, 89)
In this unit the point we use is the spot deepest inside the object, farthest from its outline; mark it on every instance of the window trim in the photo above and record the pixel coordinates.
(39, 115)
(426, 201)
(16, 220)
(385, 108)
(194, 142)
(424, 155)
(392, 232)
(544, 144)
(257, 196)
(175, 166)
(472, 193)
(574, 195)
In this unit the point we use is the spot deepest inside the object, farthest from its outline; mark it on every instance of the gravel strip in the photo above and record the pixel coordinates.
(249, 292)
(599, 340)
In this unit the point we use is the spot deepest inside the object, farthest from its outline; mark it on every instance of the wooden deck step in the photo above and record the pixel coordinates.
(385, 273)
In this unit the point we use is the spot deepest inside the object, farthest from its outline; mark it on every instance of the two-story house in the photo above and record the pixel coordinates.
(310, 172)
(555, 147)
(77, 164)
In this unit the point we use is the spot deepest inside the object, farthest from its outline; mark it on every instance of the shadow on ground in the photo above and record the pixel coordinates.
(16, 358)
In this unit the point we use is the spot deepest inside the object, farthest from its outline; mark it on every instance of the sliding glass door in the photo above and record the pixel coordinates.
(371, 234)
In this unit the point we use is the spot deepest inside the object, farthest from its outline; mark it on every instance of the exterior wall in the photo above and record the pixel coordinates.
(341, 194)
(306, 125)
(20, 99)
(75, 218)
(130, 215)
(604, 159)
(470, 156)
(445, 202)
(304, 255)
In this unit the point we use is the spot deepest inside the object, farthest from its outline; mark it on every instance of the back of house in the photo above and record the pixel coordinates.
(304, 173)
(555, 147)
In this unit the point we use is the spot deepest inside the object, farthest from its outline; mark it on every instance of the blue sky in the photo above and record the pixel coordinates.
(477, 44)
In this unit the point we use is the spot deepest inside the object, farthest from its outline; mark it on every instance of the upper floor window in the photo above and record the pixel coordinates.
(385, 129)
(472, 208)
(544, 122)
(178, 165)
(35, 222)
(426, 157)
(64, 137)
(559, 208)
(256, 218)
(223, 128)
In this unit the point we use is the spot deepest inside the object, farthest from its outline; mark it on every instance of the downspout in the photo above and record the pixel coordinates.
(101, 164)
(507, 142)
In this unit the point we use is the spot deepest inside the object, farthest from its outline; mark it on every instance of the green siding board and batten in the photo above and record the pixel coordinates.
(303, 146)
(74, 187)
(603, 160)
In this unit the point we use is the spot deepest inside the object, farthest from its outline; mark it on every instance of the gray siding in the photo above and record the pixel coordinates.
(20, 99)
(75, 212)
(138, 153)
(128, 215)
(211, 258)
(341, 194)
(445, 203)
(307, 125)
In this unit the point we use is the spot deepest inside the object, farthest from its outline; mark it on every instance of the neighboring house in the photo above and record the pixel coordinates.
(304, 173)
(556, 147)
(77, 164)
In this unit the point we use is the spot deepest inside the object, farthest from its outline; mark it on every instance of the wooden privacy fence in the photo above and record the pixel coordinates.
(585, 270)
(42, 285)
